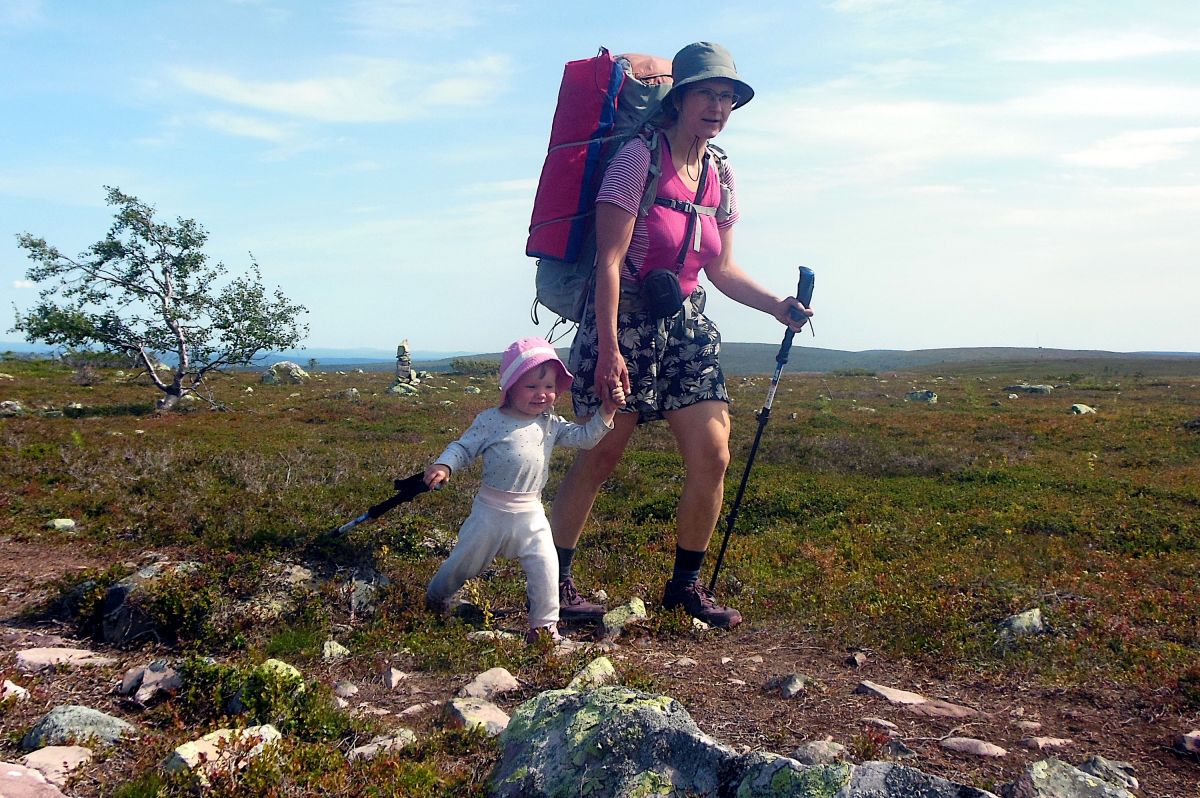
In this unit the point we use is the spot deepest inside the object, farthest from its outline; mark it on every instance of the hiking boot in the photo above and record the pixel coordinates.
(700, 603)
(549, 632)
(573, 606)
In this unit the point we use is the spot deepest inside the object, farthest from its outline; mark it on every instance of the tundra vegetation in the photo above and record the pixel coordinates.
(905, 529)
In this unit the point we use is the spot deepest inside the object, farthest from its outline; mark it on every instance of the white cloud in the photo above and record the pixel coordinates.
(371, 90)
(21, 284)
(1102, 46)
(1137, 148)
(245, 126)
(1111, 99)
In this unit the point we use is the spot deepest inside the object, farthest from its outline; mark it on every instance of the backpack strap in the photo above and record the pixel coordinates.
(650, 136)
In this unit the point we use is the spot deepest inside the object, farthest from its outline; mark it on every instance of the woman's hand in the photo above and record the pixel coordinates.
(791, 313)
(611, 372)
(437, 475)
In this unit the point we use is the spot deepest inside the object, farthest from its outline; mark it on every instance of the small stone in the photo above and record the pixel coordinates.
(737, 682)
(819, 752)
(489, 684)
(1044, 743)
(879, 723)
(1028, 725)
(969, 745)
(470, 713)
(615, 620)
(401, 739)
(896, 749)
(756, 659)
(157, 679)
(394, 678)
(345, 690)
(18, 780)
(891, 694)
(856, 659)
(596, 673)
(1082, 410)
(790, 685)
(1189, 743)
(699, 625)
(726, 660)
(61, 524)
(491, 635)
(57, 762)
(418, 709)
(683, 662)
(12, 691)
(224, 750)
(333, 650)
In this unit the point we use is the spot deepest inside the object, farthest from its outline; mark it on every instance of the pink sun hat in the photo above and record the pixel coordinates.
(528, 353)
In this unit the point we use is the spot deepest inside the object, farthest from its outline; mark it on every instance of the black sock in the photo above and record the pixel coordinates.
(687, 566)
(565, 556)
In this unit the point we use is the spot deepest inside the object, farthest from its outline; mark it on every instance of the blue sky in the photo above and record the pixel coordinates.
(957, 173)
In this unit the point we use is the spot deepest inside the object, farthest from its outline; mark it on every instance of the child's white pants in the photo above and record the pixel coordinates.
(511, 525)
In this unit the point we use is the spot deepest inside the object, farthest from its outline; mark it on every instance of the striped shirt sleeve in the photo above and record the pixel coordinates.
(625, 177)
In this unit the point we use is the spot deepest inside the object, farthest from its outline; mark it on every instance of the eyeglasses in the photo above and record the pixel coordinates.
(722, 98)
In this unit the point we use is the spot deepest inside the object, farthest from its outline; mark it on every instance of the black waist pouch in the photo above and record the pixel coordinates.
(661, 293)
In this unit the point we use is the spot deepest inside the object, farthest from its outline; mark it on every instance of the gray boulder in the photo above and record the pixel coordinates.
(887, 780)
(614, 741)
(1053, 778)
(123, 618)
(928, 397)
(285, 372)
(1114, 772)
(608, 741)
(72, 723)
(1023, 624)
(10, 408)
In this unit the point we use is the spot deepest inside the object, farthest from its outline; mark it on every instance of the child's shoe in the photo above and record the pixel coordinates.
(549, 632)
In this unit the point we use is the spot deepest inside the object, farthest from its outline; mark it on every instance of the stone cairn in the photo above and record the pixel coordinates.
(406, 377)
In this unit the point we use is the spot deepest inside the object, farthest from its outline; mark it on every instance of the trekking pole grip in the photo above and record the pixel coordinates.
(804, 292)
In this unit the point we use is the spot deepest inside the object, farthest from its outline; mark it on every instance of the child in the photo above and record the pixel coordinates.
(515, 439)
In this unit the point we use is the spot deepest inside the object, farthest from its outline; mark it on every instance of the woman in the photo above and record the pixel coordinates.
(667, 367)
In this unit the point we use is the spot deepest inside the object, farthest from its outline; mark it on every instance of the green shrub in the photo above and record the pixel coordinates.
(474, 367)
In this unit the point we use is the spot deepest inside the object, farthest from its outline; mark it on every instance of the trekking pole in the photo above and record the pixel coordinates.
(407, 489)
(804, 291)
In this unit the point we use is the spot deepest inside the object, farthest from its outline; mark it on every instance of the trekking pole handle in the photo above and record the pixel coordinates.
(804, 292)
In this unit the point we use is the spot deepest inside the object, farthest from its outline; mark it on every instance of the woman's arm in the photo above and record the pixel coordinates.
(733, 282)
(614, 231)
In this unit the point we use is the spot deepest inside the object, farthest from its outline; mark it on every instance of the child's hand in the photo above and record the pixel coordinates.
(436, 476)
(612, 400)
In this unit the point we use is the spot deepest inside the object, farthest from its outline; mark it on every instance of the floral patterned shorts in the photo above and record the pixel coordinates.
(672, 362)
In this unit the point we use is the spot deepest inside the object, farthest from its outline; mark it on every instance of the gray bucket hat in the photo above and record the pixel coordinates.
(702, 61)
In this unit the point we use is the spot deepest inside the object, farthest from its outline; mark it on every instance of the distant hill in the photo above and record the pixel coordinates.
(743, 358)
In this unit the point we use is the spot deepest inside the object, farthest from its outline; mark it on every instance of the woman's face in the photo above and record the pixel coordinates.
(705, 106)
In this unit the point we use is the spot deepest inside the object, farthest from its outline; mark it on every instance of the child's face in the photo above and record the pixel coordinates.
(534, 393)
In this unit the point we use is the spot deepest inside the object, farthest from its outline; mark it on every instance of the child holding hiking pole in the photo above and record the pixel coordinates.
(515, 440)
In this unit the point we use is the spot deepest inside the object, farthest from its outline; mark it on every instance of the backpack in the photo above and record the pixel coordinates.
(602, 103)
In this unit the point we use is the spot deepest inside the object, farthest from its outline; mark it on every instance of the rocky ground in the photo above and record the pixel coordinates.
(722, 681)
